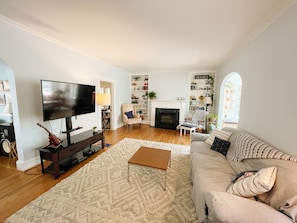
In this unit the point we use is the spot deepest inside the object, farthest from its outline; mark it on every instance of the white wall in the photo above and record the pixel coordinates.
(171, 85)
(32, 58)
(269, 77)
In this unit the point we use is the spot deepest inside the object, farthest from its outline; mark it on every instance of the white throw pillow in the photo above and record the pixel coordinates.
(224, 135)
(256, 184)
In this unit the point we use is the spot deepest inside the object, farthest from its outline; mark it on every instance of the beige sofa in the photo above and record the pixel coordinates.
(212, 174)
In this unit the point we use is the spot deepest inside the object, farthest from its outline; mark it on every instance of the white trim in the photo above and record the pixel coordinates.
(25, 165)
(167, 104)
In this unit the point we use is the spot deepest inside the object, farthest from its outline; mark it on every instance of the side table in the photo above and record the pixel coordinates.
(187, 127)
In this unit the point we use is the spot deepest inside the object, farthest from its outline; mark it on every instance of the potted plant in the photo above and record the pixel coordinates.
(94, 130)
(212, 117)
(152, 95)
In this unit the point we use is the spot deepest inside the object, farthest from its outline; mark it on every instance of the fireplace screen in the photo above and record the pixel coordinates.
(166, 118)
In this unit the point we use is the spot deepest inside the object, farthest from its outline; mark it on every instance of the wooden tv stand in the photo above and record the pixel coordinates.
(79, 143)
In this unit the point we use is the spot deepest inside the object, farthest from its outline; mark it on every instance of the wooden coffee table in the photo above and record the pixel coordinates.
(151, 157)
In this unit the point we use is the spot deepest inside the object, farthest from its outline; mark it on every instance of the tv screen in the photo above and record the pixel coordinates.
(63, 100)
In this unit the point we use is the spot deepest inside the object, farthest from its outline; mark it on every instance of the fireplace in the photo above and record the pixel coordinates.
(166, 118)
(179, 105)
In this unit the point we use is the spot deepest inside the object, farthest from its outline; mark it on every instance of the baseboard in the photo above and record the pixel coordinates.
(25, 165)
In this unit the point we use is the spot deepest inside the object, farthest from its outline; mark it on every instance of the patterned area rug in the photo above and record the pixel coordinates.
(100, 191)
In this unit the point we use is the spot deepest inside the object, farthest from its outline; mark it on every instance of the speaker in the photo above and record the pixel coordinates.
(7, 136)
(5, 147)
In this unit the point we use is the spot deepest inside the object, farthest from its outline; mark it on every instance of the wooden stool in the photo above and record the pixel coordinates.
(13, 152)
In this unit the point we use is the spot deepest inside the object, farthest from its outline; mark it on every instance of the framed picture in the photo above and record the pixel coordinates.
(2, 99)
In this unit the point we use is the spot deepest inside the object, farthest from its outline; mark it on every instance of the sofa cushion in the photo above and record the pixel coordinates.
(255, 184)
(283, 195)
(224, 135)
(289, 208)
(210, 171)
(196, 136)
(227, 208)
(220, 146)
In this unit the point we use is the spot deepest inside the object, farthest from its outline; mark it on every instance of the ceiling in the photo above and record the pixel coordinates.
(148, 35)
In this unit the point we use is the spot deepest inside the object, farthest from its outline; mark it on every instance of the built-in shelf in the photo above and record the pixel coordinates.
(201, 86)
(139, 91)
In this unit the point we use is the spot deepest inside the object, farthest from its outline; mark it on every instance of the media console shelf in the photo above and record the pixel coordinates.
(81, 144)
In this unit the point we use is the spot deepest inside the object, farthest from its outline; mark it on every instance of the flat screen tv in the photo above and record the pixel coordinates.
(64, 100)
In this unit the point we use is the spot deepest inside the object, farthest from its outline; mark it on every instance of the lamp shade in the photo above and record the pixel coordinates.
(103, 99)
(207, 100)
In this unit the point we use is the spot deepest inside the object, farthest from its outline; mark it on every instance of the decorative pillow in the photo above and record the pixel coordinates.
(256, 184)
(224, 135)
(129, 114)
(248, 146)
(220, 146)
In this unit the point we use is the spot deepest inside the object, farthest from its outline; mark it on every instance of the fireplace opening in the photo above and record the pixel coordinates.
(166, 118)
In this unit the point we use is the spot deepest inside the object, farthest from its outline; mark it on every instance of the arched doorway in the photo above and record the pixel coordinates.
(9, 120)
(230, 101)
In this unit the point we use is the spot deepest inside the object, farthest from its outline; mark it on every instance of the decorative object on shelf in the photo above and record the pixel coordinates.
(94, 130)
(201, 97)
(211, 122)
(136, 78)
(152, 95)
(212, 117)
(211, 127)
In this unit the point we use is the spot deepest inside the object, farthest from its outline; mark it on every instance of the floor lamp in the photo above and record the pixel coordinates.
(103, 100)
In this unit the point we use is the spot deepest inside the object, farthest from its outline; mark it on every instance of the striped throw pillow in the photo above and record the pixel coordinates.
(224, 135)
(247, 147)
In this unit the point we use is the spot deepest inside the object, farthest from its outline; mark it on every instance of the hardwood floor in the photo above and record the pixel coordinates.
(18, 188)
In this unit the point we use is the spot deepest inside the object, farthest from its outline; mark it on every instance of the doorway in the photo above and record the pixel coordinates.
(106, 109)
(230, 101)
(8, 115)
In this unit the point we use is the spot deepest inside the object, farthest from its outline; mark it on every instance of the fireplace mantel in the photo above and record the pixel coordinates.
(166, 104)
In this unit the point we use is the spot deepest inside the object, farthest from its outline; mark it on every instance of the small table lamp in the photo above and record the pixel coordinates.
(103, 99)
(207, 102)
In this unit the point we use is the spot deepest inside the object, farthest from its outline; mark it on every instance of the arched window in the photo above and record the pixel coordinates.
(230, 101)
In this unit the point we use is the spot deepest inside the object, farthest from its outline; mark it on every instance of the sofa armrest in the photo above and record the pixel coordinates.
(198, 136)
(227, 208)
